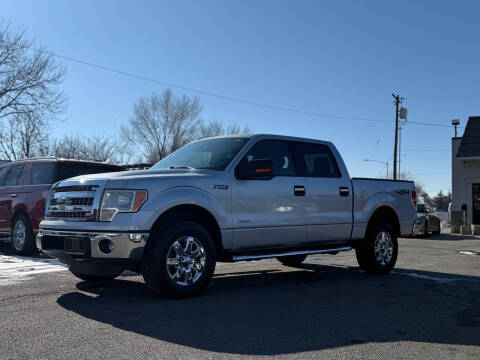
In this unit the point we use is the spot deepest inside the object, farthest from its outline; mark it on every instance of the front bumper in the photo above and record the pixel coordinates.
(92, 245)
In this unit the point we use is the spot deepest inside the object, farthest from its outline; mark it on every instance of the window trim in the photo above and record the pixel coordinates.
(300, 159)
(290, 149)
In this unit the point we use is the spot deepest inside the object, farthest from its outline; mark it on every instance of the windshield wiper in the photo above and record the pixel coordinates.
(180, 167)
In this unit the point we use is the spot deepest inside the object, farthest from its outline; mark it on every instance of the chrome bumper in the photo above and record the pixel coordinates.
(128, 246)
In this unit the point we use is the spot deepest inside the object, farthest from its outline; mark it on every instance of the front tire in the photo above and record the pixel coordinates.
(293, 260)
(22, 237)
(181, 262)
(379, 250)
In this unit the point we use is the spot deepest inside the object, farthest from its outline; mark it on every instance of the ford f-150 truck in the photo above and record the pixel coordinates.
(231, 198)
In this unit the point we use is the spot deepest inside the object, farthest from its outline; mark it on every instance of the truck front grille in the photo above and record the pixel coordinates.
(73, 202)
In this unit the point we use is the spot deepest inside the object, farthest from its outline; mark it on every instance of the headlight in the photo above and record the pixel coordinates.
(116, 201)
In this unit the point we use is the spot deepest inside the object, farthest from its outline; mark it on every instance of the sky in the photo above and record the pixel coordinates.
(337, 59)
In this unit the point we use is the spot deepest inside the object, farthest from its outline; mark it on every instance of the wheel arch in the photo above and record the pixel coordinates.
(387, 214)
(187, 212)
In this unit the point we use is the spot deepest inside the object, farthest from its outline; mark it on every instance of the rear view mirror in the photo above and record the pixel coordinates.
(261, 169)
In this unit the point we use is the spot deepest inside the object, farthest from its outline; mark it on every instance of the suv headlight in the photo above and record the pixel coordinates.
(117, 201)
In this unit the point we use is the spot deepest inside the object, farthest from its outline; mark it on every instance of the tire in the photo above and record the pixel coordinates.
(438, 231)
(366, 253)
(22, 237)
(95, 278)
(292, 260)
(190, 268)
(425, 230)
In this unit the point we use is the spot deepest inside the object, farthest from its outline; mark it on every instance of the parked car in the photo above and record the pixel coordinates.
(24, 187)
(427, 221)
(226, 199)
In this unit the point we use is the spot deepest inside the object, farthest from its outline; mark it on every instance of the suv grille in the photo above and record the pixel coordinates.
(73, 202)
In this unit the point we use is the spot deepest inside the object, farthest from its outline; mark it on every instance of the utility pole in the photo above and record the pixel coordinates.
(397, 101)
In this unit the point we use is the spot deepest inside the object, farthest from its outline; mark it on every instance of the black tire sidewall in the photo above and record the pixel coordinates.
(155, 269)
(366, 253)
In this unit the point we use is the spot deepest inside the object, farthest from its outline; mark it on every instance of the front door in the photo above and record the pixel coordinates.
(476, 204)
(268, 213)
(11, 189)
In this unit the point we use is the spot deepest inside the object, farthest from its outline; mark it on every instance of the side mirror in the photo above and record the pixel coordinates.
(261, 169)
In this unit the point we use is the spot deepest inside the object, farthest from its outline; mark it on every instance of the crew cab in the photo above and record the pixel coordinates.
(232, 198)
(24, 187)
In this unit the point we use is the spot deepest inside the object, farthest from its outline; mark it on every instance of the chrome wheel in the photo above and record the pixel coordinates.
(383, 248)
(18, 236)
(186, 260)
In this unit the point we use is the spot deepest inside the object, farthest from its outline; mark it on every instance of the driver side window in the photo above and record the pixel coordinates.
(275, 150)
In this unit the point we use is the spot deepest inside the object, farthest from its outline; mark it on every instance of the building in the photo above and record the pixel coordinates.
(466, 177)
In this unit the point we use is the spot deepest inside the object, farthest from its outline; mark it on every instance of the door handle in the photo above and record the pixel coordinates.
(13, 195)
(343, 191)
(299, 190)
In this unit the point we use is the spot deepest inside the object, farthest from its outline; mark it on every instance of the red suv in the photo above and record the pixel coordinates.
(24, 187)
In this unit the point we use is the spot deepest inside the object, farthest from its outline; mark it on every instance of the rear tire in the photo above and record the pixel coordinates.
(292, 260)
(22, 236)
(379, 250)
(181, 262)
(95, 278)
(438, 231)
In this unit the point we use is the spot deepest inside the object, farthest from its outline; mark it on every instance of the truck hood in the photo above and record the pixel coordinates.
(149, 175)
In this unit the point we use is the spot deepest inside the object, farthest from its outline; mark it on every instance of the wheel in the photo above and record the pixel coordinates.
(292, 260)
(438, 230)
(379, 250)
(95, 278)
(181, 262)
(23, 239)
(425, 230)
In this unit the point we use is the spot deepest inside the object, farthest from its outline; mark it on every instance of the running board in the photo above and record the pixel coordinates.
(289, 253)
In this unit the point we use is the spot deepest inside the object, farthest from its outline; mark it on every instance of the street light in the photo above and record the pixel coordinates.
(378, 161)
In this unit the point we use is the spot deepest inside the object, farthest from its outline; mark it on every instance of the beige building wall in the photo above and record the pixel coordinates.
(464, 174)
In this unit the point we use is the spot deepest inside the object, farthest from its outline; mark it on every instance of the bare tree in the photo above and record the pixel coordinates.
(29, 97)
(95, 148)
(160, 124)
(22, 135)
(216, 128)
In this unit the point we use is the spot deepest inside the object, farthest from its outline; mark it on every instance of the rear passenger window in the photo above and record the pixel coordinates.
(43, 173)
(277, 151)
(13, 176)
(316, 160)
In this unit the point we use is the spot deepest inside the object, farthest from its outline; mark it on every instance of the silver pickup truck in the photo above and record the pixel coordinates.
(225, 199)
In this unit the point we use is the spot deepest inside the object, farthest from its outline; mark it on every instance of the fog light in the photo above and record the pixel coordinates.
(106, 246)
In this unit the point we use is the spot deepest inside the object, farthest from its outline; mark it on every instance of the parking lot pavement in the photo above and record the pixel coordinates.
(428, 308)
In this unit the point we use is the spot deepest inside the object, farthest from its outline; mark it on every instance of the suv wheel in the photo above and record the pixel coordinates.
(22, 238)
(182, 261)
(379, 250)
(292, 260)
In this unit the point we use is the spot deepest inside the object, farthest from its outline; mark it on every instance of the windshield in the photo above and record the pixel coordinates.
(211, 154)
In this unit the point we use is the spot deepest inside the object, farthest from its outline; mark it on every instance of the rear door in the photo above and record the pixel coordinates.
(328, 194)
(11, 194)
(268, 213)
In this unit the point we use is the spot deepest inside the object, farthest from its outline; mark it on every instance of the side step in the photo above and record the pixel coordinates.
(288, 253)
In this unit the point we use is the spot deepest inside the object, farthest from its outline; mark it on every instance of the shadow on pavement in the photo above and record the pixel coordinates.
(278, 312)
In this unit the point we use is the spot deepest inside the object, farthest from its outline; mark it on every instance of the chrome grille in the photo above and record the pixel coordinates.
(73, 202)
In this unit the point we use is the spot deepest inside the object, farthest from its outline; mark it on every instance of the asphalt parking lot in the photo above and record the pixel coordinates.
(428, 308)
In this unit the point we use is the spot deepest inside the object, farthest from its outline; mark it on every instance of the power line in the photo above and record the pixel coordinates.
(224, 97)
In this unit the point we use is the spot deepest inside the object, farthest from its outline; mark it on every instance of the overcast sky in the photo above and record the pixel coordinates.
(339, 58)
